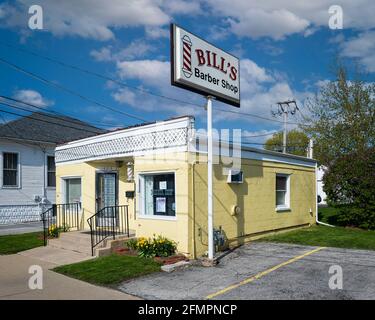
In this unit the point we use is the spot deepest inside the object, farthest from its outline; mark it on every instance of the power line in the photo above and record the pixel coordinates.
(72, 92)
(260, 135)
(131, 87)
(72, 120)
(46, 121)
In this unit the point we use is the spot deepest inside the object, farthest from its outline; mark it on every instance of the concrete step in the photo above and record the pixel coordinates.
(80, 241)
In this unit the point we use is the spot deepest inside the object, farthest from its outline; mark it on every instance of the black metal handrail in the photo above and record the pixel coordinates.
(108, 222)
(64, 217)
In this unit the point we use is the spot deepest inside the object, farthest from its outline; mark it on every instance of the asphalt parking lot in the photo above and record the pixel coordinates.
(267, 271)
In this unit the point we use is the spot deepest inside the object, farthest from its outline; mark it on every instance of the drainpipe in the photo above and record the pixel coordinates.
(193, 209)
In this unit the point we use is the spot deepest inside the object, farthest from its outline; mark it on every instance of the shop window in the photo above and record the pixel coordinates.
(157, 194)
(72, 190)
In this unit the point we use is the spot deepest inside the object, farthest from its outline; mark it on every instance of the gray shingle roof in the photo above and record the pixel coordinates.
(42, 127)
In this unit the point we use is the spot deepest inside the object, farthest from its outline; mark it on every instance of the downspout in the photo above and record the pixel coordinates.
(193, 209)
(316, 200)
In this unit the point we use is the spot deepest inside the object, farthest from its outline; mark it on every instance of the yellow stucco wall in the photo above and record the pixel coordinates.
(256, 198)
(174, 229)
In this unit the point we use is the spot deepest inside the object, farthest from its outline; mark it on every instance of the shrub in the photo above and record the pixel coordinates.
(54, 231)
(157, 246)
(163, 247)
(350, 185)
(145, 248)
(131, 244)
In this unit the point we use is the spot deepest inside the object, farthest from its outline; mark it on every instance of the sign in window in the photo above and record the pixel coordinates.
(157, 193)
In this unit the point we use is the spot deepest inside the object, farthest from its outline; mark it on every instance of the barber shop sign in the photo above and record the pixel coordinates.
(203, 68)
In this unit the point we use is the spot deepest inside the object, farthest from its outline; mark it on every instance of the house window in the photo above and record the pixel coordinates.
(51, 172)
(72, 190)
(10, 169)
(282, 191)
(157, 193)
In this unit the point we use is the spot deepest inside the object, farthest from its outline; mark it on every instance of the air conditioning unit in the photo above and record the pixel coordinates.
(235, 176)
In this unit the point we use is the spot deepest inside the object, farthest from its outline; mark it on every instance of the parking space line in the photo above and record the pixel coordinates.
(263, 273)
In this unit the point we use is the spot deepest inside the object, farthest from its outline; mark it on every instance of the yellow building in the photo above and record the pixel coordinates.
(158, 172)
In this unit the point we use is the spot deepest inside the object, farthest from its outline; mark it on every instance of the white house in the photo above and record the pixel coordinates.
(27, 162)
(320, 184)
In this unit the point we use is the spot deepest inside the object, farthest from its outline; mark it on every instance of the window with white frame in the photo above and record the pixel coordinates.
(157, 194)
(51, 172)
(282, 191)
(10, 169)
(72, 190)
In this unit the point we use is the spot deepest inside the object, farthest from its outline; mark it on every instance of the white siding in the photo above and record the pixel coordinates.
(319, 178)
(32, 174)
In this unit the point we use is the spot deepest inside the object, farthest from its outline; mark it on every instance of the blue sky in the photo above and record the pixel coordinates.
(285, 47)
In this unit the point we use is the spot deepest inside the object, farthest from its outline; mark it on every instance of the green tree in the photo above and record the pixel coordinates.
(296, 142)
(342, 123)
(342, 117)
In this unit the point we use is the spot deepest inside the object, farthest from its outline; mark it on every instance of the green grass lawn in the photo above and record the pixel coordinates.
(326, 214)
(328, 237)
(109, 270)
(19, 242)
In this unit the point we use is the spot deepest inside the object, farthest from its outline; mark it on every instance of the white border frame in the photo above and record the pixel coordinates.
(140, 199)
(48, 154)
(19, 185)
(285, 207)
(63, 187)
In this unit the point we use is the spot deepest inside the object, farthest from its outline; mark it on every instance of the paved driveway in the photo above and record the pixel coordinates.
(266, 271)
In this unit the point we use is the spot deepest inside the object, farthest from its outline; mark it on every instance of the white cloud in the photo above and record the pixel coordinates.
(33, 97)
(182, 7)
(260, 88)
(277, 24)
(361, 47)
(156, 32)
(103, 54)
(136, 49)
(151, 72)
(279, 18)
(258, 136)
(124, 95)
(89, 18)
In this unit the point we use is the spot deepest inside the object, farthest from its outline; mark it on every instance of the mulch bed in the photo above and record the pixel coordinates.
(162, 260)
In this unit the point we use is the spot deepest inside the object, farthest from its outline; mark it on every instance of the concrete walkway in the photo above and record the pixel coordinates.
(14, 278)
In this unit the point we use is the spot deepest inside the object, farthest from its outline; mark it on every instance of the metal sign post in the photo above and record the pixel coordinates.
(209, 180)
(203, 68)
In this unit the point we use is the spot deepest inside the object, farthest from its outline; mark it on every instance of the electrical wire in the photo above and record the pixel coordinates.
(72, 92)
(71, 120)
(42, 120)
(126, 85)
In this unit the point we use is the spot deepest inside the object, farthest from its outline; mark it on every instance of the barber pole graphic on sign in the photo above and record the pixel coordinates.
(186, 69)
(203, 68)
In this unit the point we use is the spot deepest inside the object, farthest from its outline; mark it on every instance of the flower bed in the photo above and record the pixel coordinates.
(159, 248)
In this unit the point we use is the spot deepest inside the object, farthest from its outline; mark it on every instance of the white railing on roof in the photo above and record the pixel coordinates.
(126, 142)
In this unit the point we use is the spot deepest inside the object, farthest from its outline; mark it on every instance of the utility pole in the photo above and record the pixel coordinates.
(283, 109)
